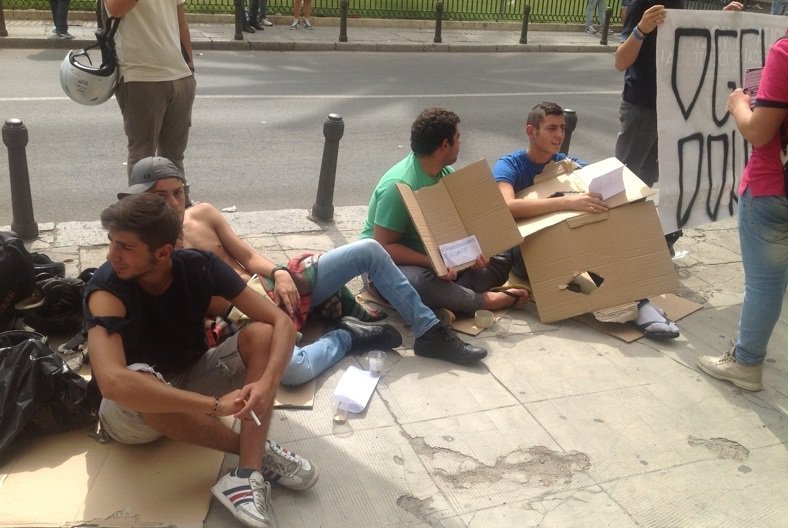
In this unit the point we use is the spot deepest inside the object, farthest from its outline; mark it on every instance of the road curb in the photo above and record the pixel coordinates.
(245, 45)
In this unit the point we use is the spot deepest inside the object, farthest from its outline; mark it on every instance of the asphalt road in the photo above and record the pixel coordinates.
(257, 129)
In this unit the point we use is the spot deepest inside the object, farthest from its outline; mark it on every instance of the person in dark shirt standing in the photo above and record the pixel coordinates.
(636, 143)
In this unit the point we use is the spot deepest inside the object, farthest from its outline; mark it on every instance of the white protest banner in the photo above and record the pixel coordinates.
(701, 57)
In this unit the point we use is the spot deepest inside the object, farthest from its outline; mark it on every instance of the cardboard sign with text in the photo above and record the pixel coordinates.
(464, 203)
(701, 57)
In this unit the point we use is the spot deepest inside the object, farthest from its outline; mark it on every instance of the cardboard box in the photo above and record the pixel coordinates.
(623, 250)
(466, 202)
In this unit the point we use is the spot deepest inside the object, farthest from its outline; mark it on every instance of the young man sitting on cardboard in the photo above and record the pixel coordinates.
(144, 312)
(514, 172)
(205, 228)
(435, 144)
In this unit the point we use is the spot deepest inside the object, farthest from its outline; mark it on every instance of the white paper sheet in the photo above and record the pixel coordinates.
(355, 389)
(605, 177)
(460, 251)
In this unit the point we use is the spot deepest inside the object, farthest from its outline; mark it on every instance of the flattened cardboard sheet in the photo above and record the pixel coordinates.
(296, 397)
(467, 325)
(69, 478)
(462, 324)
(675, 307)
(466, 202)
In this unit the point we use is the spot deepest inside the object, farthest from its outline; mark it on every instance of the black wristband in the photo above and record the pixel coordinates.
(279, 268)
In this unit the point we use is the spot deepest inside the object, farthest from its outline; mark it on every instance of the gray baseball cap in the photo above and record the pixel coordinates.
(148, 171)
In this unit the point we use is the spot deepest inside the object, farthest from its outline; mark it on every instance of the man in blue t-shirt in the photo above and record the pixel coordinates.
(514, 172)
(144, 313)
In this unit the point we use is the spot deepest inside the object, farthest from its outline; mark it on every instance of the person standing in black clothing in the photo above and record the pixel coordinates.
(636, 144)
(60, 18)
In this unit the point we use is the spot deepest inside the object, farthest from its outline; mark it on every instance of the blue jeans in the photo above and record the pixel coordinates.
(333, 270)
(59, 10)
(595, 5)
(310, 361)
(763, 234)
(778, 6)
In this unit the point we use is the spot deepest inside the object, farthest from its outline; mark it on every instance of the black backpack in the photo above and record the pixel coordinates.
(16, 276)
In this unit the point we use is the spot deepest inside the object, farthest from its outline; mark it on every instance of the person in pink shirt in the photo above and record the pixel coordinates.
(763, 222)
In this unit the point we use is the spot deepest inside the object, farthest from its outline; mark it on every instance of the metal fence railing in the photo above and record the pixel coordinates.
(542, 11)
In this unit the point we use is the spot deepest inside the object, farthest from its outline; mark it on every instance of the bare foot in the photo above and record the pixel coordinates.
(511, 298)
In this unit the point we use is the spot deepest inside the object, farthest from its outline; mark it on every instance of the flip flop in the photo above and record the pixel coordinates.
(669, 329)
(656, 333)
(517, 298)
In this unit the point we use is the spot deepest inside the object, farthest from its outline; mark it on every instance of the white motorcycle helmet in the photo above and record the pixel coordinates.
(85, 83)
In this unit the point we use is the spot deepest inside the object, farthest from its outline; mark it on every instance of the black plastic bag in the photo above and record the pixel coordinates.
(39, 394)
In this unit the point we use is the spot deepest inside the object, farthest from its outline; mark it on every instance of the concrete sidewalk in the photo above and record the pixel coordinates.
(560, 426)
(32, 30)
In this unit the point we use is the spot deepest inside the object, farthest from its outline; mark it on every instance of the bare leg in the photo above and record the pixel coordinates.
(254, 343)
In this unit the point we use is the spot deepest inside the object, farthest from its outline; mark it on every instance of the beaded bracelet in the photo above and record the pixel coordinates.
(215, 406)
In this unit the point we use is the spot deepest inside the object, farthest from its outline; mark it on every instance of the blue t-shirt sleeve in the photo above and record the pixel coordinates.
(505, 171)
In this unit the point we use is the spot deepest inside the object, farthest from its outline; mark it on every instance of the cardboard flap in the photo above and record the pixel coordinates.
(554, 169)
(466, 202)
(482, 209)
(437, 215)
(634, 190)
(580, 221)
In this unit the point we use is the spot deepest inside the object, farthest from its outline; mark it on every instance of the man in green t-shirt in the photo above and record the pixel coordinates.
(435, 144)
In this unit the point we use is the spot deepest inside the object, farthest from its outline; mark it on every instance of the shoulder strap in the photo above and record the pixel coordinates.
(106, 41)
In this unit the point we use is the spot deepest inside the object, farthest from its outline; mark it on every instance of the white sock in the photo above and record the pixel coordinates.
(649, 313)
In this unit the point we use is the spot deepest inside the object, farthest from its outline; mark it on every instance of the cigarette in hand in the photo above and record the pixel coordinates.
(255, 418)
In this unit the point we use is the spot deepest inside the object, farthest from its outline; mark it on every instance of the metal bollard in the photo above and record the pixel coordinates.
(606, 26)
(570, 119)
(15, 138)
(100, 15)
(342, 21)
(438, 21)
(239, 14)
(333, 129)
(3, 30)
(526, 18)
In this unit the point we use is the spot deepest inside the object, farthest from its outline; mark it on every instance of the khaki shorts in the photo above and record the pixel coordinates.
(219, 371)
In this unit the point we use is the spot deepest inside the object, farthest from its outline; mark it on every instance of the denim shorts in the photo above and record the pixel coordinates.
(219, 371)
